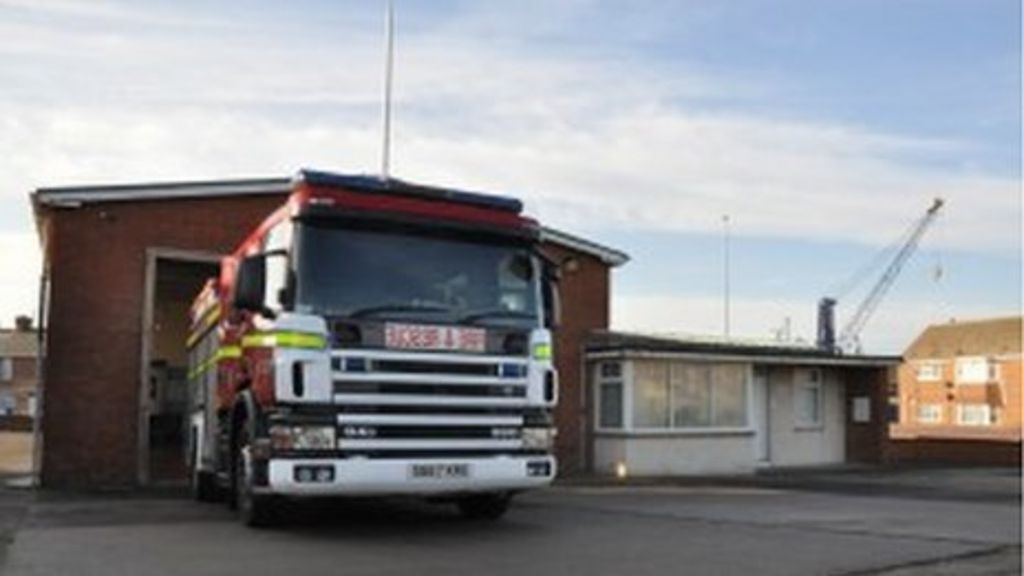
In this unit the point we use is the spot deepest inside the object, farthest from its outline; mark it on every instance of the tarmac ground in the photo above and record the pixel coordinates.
(886, 522)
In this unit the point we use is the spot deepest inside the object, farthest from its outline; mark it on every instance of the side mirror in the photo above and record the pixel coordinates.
(250, 283)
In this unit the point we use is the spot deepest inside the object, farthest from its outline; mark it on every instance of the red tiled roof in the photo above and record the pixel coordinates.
(968, 338)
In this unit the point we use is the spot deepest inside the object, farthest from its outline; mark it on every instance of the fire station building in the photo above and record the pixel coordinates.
(121, 267)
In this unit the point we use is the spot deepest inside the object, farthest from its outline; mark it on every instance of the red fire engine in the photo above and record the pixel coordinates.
(376, 337)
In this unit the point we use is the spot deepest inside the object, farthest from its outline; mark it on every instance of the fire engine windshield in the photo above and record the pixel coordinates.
(423, 277)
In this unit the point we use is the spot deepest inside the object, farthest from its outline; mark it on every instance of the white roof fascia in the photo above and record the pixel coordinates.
(605, 254)
(756, 359)
(73, 197)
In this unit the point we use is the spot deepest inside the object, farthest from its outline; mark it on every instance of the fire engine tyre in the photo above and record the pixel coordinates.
(254, 510)
(204, 486)
(484, 506)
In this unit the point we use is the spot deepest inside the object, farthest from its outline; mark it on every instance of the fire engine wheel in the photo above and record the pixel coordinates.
(204, 486)
(254, 510)
(484, 506)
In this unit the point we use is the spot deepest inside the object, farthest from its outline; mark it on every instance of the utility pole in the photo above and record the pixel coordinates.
(389, 59)
(725, 273)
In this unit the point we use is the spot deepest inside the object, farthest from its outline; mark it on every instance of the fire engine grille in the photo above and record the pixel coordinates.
(431, 390)
(419, 367)
(428, 403)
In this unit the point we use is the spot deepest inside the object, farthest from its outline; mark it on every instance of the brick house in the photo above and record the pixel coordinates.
(121, 265)
(18, 369)
(960, 392)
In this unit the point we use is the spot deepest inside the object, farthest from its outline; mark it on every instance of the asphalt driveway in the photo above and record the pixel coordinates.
(822, 525)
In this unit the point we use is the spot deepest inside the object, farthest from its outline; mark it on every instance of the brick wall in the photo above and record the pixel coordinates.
(946, 441)
(97, 256)
(18, 423)
(584, 291)
(1003, 394)
(22, 383)
(953, 451)
(865, 440)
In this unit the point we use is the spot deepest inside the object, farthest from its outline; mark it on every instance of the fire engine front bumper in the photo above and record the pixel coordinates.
(419, 476)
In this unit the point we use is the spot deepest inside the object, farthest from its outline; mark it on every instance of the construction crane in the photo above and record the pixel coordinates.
(849, 338)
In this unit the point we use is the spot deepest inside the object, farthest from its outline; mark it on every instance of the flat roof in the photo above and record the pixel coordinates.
(615, 344)
(74, 196)
(71, 196)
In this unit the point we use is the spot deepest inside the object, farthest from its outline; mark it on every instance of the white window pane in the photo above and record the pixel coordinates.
(730, 391)
(929, 372)
(974, 414)
(6, 369)
(691, 396)
(650, 395)
(972, 370)
(611, 370)
(929, 413)
(610, 404)
(808, 404)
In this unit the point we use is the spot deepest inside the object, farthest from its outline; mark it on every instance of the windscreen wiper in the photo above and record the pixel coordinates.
(497, 313)
(373, 310)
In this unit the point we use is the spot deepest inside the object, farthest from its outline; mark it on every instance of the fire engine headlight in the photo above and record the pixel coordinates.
(538, 438)
(302, 437)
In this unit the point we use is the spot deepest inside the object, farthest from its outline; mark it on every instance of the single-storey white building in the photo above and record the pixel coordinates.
(668, 406)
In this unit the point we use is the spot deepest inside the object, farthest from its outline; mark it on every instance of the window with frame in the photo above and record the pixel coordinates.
(973, 414)
(689, 395)
(808, 399)
(276, 245)
(7, 403)
(974, 371)
(6, 369)
(729, 387)
(929, 372)
(609, 396)
(929, 413)
(650, 395)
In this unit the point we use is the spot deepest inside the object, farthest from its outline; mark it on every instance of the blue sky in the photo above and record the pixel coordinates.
(823, 128)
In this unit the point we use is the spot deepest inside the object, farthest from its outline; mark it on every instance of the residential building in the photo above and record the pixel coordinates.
(962, 380)
(18, 368)
(660, 405)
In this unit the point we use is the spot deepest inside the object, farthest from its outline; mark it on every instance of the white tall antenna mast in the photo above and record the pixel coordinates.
(389, 58)
(725, 274)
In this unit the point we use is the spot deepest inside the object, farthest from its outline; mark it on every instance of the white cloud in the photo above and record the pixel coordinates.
(590, 143)
(19, 276)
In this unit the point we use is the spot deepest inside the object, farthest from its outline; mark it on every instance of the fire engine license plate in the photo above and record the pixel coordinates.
(438, 471)
(424, 337)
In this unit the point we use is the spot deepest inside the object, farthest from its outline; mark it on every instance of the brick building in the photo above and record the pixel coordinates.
(121, 265)
(960, 393)
(18, 369)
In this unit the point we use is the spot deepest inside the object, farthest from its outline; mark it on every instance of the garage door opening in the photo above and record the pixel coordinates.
(173, 280)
